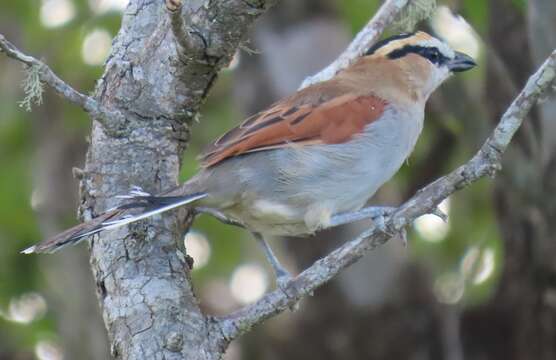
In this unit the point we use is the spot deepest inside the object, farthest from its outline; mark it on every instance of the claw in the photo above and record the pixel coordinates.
(283, 279)
(380, 223)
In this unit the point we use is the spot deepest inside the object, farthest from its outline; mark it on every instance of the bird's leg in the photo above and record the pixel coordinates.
(219, 216)
(283, 277)
(375, 213)
(378, 215)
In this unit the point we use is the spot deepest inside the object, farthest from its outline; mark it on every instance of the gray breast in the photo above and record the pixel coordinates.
(331, 178)
(347, 174)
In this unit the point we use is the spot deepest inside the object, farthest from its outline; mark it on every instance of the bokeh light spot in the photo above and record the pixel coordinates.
(432, 228)
(47, 350)
(248, 283)
(198, 247)
(449, 288)
(26, 308)
(478, 266)
(103, 6)
(56, 13)
(456, 31)
(96, 47)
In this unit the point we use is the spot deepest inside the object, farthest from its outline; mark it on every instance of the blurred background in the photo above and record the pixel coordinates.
(481, 286)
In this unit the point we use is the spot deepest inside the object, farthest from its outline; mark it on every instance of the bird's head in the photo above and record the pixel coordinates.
(424, 59)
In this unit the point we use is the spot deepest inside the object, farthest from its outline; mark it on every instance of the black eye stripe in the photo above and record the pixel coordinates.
(430, 53)
(386, 41)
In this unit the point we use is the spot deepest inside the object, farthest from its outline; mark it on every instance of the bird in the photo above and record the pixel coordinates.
(325, 150)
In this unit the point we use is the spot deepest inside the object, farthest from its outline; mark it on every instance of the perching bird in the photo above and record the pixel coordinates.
(322, 151)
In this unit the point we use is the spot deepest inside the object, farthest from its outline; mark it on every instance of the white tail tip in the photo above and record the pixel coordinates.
(29, 250)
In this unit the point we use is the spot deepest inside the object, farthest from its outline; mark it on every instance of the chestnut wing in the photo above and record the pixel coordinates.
(292, 122)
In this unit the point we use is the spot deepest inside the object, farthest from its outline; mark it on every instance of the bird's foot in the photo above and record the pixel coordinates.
(371, 212)
(379, 222)
(283, 278)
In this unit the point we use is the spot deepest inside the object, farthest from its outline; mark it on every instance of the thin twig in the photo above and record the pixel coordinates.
(364, 39)
(189, 45)
(48, 76)
(63, 89)
(485, 162)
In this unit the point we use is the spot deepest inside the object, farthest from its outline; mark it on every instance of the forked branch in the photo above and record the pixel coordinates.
(47, 76)
(189, 45)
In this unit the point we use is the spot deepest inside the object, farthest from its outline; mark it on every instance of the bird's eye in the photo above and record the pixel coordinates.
(433, 55)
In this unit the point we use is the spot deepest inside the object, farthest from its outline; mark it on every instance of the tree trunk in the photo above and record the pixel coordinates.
(142, 278)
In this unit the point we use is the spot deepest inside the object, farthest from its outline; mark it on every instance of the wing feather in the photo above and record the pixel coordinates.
(295, 122)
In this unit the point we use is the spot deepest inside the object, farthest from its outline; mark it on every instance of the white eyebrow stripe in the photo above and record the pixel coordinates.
(441, 46)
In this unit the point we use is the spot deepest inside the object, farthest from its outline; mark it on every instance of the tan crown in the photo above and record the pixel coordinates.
(419, 37)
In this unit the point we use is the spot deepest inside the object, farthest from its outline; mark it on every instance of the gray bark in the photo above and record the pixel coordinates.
(142, 280)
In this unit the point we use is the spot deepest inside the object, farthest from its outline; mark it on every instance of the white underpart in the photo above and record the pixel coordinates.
(437, 77)
(266, 208)
(318, 215)
(439, 73)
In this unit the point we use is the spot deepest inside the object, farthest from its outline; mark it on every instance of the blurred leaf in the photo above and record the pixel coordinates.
(357, 12)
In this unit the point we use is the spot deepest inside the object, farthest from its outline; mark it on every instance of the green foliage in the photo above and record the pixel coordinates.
(356, 12)
(476, 13)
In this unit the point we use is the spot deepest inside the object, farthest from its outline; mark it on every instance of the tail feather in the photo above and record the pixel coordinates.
(141, 206)
(157, 205)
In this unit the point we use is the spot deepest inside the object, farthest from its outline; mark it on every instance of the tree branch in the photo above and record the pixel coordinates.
(188, 45)
(365, 38)
(485, 162)
(63, 89)
(48, 76)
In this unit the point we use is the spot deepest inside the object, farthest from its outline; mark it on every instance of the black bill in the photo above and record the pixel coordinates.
(461, 62)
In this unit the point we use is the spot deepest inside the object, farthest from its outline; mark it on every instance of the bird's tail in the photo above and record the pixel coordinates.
(139, 205)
